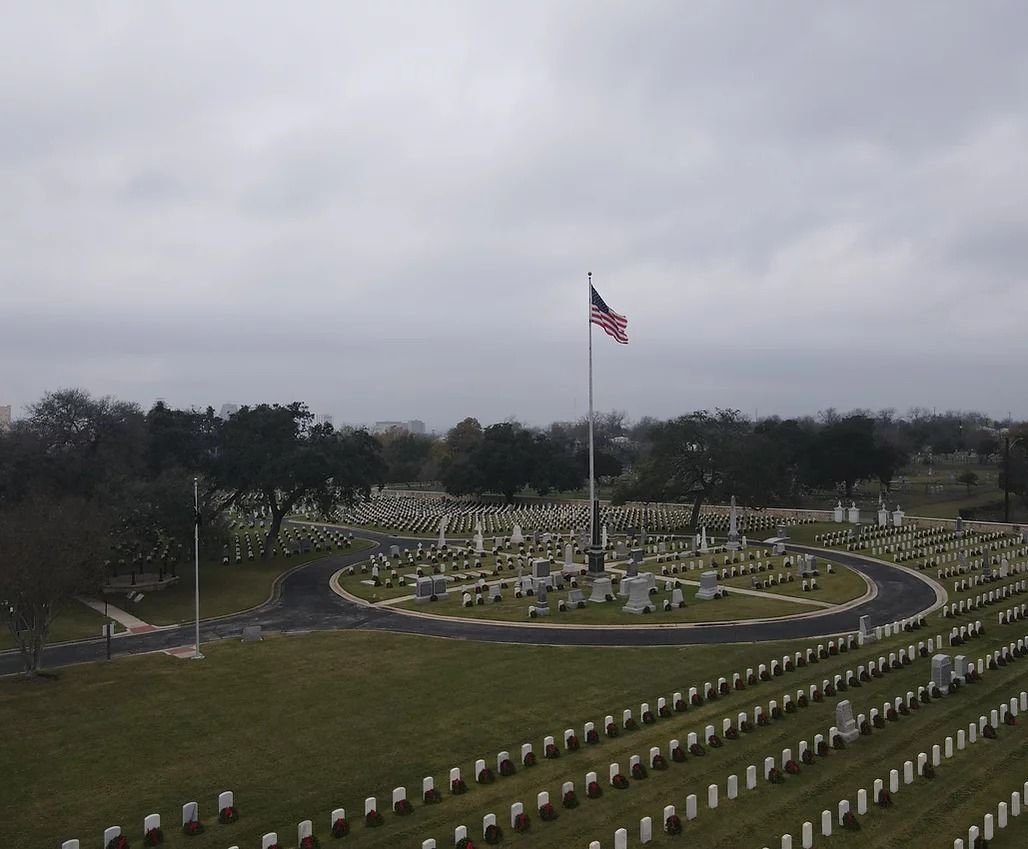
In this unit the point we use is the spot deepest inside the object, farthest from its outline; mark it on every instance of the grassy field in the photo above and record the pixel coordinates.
(76, 621)
(107, 744)
(224, 589)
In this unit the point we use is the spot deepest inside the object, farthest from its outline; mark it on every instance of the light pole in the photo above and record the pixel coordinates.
(196, 564)
(1006, 475)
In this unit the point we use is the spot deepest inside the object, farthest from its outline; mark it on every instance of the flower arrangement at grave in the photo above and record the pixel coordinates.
(1009, 719)
(612, 730)
(432, 797)
(592, 737)
(522, 823)
(762, 720)
(658, 762)
(373, 819)
(790, 707)
(903, 709)
(928, 771)
(619, 782)
(464, 843)
(732, 733)
(988, 732)
(639, 772)
(631, 724)
(849, 821)
(808, 756)
(486, 776)
(696, 750)
(864, 677)
(507, 768)
(192, 828)
(775, 776)
(493, 834)
(680, 705)
(153, 837)
(865, 727)
(569, 800)
(572, 743)
(739, 684)
(547, 813)
(884, 799)
(403, 808)
(457, 787)
(838, 742)
(696, 699)
(673, 825)
(648, 718)
(776, 712)
(310, 842)
(891, 715)
(678, 754)
(751, 679)
(711, 694)
(936, 693)
(792, 767)
(879, 722)
(801, 700)
(551, 752)
(714, 741)
(229, 814)
(340, 828)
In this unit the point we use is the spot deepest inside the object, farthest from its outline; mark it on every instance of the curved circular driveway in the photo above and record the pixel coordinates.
(304, 602)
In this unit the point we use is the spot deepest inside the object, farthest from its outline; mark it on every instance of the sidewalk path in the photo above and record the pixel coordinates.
(130, 623)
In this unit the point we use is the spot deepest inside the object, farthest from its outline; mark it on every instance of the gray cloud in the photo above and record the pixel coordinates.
(389, 210)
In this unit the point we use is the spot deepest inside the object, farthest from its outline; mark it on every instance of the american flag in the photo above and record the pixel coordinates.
(612, 323)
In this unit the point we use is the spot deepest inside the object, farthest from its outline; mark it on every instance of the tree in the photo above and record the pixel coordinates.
(691, 457)
(405, 456)
(274, 455)
(968, 479)
(844, 452)
(50, 550)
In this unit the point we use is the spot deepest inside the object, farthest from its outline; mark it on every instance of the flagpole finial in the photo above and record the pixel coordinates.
(590, 274)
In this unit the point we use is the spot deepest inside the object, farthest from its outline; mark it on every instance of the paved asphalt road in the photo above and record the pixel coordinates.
(304, 602)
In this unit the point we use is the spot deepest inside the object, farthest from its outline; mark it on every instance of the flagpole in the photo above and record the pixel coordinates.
(592, 459)
(196, 564)
(595, 557)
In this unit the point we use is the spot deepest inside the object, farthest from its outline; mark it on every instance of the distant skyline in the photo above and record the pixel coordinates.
(388, 210)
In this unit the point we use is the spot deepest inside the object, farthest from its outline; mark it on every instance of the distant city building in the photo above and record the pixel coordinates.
(412, 426)
(5, 417)
(324, 418)
(228, 410)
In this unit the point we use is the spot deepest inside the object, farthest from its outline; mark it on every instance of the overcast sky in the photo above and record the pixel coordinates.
(388, 210)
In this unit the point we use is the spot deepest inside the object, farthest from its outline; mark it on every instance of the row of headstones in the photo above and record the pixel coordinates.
(787, 764)
(152, 822)
(957, 608)
(878, 787)
(1006, 570)
(571, 742)
(950, 548)
(627, 720)
(844, 714)
(989, 823)
(1011, 548)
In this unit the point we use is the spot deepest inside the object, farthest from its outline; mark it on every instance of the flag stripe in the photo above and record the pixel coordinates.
(613, 325)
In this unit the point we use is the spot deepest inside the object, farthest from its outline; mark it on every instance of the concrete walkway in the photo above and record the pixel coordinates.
(132, 624)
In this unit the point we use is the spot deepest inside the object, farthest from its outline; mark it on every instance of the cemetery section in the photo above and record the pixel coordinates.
(479, 687)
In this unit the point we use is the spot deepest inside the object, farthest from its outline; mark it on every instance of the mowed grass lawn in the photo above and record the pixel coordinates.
(301, 724)
(76, 621)
(224, 589)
